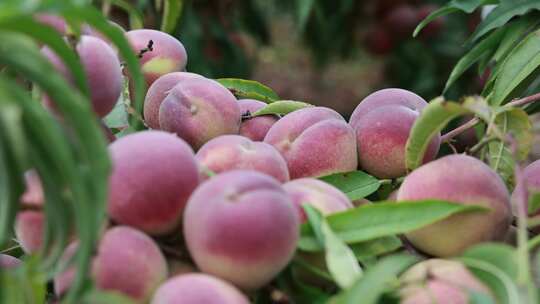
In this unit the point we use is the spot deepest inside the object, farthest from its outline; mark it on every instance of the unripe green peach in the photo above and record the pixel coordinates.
(153, 175)
(255, 128)
(198, 110)
(440, 281)
(323, 196)
(164, 53)
(130, 262)
(242, 227)
(102, 70)
(229, 152)
(315, 141)
(444, 179)
(158, 91)
(198, 288)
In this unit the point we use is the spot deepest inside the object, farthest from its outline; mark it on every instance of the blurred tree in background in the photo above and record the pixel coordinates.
(332, 52)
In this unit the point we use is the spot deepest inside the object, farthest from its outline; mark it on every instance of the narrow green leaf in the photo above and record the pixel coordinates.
(355, 184)
(303, 11)
(520, 63)
(372, 221)
(340, 260)
(474, 55)
(172, 11)
(135, 17)
(281, 107)
(375, 281)
(433, 118)
(506, 10)
(534, 202)
(502, 256)
(442, 11)
(376, 247)
(249, 89)
(514, 32)
(516, 122)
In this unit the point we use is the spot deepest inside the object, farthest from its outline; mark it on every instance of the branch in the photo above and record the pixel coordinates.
(471, 123)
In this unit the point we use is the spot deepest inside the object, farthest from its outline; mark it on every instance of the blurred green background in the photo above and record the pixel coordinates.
(324, 52)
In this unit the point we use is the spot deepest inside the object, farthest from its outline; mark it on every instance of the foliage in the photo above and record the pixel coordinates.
(363, 252)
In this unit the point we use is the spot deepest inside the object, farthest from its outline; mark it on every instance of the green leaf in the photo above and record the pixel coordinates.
(514, 32)
(249, 89)
(534, 201)
(474, 55)
(498, 281)
(506, 10)
(355, 184)
(453, 6)
(303, 11)
(135, 17)
(516, 122)
(172, 11)
(281, 107)
(501, 255)
(340, 260)
(376, 247)
(375, 281)
(372, 221)
(433, 118)
(520, 63)
(118, 117)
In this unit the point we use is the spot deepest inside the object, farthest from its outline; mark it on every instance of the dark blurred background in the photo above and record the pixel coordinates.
(326, 52)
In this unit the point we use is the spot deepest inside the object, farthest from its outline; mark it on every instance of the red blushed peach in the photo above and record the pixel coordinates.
(314, 141)
(198, 110)
(440, 281)
(158, 91)
(165, 55)
(8, 262)
(382, 135)
(153, 175)
(387, 97)
(255, 128)
(465, 180)
(198, 288)
(531, 181)
(229, 152)
(323, 196)
(29, 230)
(102, 70)
(242, 227)
(130, 262)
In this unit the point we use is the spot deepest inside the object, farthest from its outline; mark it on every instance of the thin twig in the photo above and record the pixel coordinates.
(471, 123)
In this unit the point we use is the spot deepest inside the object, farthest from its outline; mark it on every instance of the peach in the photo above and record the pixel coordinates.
(158, 91)
(165, 55)
(440, 281)
(531, 181)
(102, 70)
(315, 141)
(323, 196)
(29, 230)
(242, 227)
(130, 262)
(57, 22)
(255, 128)
(386, 97)
(33, 194)
(465, 180)
(8, 262)
(198, 288)
(382, 135)
(198, 110)
(228, 152)
(153, 175)
(63, 280)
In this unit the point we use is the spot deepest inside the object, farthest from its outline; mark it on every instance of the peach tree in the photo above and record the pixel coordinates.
(412, 226)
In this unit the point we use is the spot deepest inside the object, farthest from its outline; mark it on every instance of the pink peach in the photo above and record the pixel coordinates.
(255, 128)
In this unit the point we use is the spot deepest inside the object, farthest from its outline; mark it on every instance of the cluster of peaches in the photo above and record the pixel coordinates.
(229, 188)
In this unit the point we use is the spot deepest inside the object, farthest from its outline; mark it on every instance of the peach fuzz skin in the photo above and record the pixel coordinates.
(255, 128)
(198, 110)
(242, 227)
(228, 152)
(444, 179)
(153, 175)
(314, 141)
